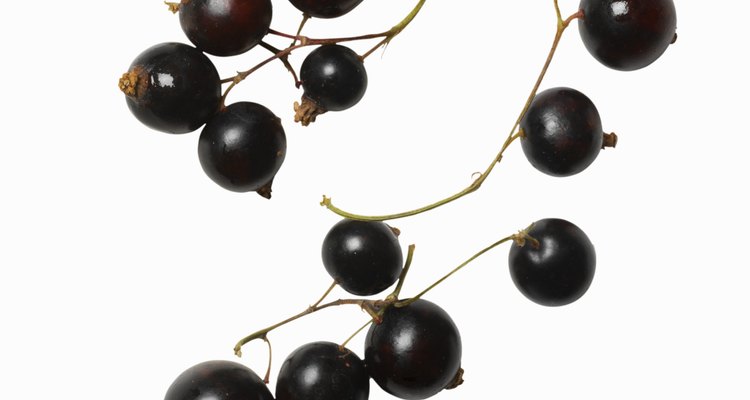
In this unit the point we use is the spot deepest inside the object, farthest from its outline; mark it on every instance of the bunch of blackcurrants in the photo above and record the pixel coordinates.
(412, 348)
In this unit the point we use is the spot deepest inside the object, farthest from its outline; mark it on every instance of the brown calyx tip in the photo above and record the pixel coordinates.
(174, 7)
(133, 82)
(265, 191)
(306, 112)
(457, 380)
(395, 230)
(610, 140)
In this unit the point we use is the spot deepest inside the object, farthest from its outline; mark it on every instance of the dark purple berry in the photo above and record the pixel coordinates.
(415, 352)
(242, 147)
(558, 268)
(562, 132)
(325, 8)
(333, 78)
(322, 371)
(225, 27)
(363, 257)
(627, 34)
(218, 380)
(172, 87)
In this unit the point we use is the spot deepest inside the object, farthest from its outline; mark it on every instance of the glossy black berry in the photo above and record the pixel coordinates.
(333, 78)
(322, 371)
(415, 352)
(172, 87)
(627, 34)
(363, 257)
(242, 147)
(218, 380)
(225, 27)
(562, 132)
(560, 269)
(325, 8)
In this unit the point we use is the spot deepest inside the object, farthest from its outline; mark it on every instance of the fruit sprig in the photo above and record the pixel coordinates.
(175, 88)
(560, 128)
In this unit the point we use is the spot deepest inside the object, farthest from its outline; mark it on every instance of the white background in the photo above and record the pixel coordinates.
(121, 264)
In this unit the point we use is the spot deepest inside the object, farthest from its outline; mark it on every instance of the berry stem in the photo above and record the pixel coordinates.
(349, 339)
(408, 301)
(284, 59)
(409, 256)
(513, 135)
(317, 303)
(370, 306)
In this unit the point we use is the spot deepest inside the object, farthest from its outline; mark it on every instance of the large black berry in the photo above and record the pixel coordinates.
(562, 132)
(363, 257)
(325, 8)
(242, 147)
(322, 371)
(627, 34)
(415, 352)
(172, 87)
(218, 380)
(333, 78)
(225, 27)
(558, 268)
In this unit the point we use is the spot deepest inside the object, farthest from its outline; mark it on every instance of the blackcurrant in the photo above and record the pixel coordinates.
(172, 87)
(225, 27)
(415, 352)
(242, 148)
(562, 132)
(627, 34)
(325, 8)
(557, 268)
(363, 257)
(322, 371)
(333, 78)
(218, 380)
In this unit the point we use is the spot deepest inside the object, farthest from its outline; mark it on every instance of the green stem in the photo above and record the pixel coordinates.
(406, 302)
(477, 183)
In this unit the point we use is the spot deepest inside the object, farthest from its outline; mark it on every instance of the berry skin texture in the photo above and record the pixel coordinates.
(560, 270)
(321, 371)
(218, 380)
(363, 257)
(562, 132)
(325, 8)
(242, 148)
(172, 87)
(333, 78)
(415, 352)
(627, 35)
(225, 27)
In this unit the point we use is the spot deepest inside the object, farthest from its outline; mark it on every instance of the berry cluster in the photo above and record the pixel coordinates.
(412, 346)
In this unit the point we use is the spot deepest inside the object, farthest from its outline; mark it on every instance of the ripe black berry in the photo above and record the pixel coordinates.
(325, 8)
(562, 132)
(333, 78)
(225, 27)
(560, 269)
(415, 352)
(627, 34)
(242, 147)
(172, 87)
(322, 371)
(363, 257)
(218, 380)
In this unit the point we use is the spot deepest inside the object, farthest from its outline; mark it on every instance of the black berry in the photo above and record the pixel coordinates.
(218, 380)
(415, 352)
(322, 371)
(363, 257)
(627, 34)
(225, 27)
(333, 78)
(325, 8)
(172, 87)
(562, 132)
(558, 269)
(242, 147)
